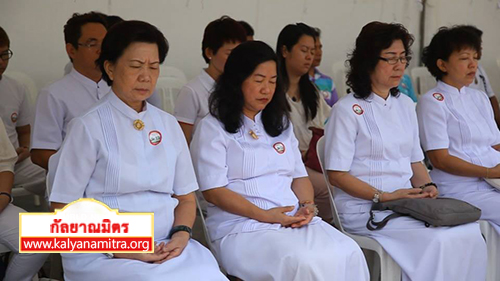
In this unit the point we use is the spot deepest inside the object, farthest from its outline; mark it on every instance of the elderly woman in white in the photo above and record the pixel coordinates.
(133, 157)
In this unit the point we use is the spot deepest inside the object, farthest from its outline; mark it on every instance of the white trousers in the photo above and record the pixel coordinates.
(22, 267)
(30, 176)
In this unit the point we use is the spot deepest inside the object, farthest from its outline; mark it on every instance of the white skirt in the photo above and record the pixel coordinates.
(483, 196)
(313, 252)
(195, 263)
(427, 253)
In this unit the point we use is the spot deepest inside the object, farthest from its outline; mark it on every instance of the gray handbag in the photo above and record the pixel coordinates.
(435, 212)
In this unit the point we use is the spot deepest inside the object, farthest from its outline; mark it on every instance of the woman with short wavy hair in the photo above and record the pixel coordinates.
(372, 154)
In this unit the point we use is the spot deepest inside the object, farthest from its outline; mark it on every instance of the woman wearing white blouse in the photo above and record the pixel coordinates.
(457, 125)
(372, 154)
(133, 157)
(261, 215)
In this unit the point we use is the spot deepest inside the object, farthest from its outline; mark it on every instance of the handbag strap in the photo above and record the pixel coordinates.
(380, 224)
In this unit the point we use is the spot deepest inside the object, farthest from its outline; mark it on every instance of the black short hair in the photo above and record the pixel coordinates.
(227, 100)
(112, 20)
(123, 35)
(248, 28)
(220, 31)
(317, 32)
(73, 27)
(289, 37)
(372, 40)
(445, 42)
(4, 38)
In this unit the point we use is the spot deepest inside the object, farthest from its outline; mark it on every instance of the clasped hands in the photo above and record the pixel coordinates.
(278, 215)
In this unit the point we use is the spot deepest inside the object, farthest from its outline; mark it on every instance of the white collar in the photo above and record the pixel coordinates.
(125, 109)
(450, 89)
(207, 81)
(90, 84)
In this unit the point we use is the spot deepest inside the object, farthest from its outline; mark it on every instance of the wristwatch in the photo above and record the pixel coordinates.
(376, 196)
(109, 255)
(178, 228)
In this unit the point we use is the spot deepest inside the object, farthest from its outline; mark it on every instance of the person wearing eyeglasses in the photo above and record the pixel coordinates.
(15, 111)
(373, 154)
(457, 125)
(73, 94)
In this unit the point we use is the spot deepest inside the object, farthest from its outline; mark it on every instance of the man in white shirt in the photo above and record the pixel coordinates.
(15, 113)
(76, 92)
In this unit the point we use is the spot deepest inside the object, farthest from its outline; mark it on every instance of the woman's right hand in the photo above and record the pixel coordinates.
(158, 255)
(403, 193)
(277, 215)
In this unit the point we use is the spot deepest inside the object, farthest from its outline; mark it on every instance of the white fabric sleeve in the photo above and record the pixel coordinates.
(48, 123)
(209, 152)
(25, 114)
(74, 169)
(8, 155)
(432, 122)
(300, 169)
(341, 132)
(185, 178)
(187, 105)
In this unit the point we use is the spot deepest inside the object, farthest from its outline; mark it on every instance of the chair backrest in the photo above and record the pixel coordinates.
(168, 88)
(339, 71)
(423, 81)
(320, 150)
(173, 72)
(26, 81)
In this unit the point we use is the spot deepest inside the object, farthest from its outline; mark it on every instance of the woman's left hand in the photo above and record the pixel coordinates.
(431, 191)
(175, 246)
(303, 212)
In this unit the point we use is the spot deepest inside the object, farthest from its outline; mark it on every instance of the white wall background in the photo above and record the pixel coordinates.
(35, 27)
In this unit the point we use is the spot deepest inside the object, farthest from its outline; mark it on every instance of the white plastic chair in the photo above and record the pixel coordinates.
(168, 88)
(388, 269)
(27, 82)
(207, 236)
(493, 243)
(339, 71)
(423, 81)
(173, 72)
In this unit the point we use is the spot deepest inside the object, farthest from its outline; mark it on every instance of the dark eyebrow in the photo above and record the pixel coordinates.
(394, 53)
(263, 76)
(141, 62)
